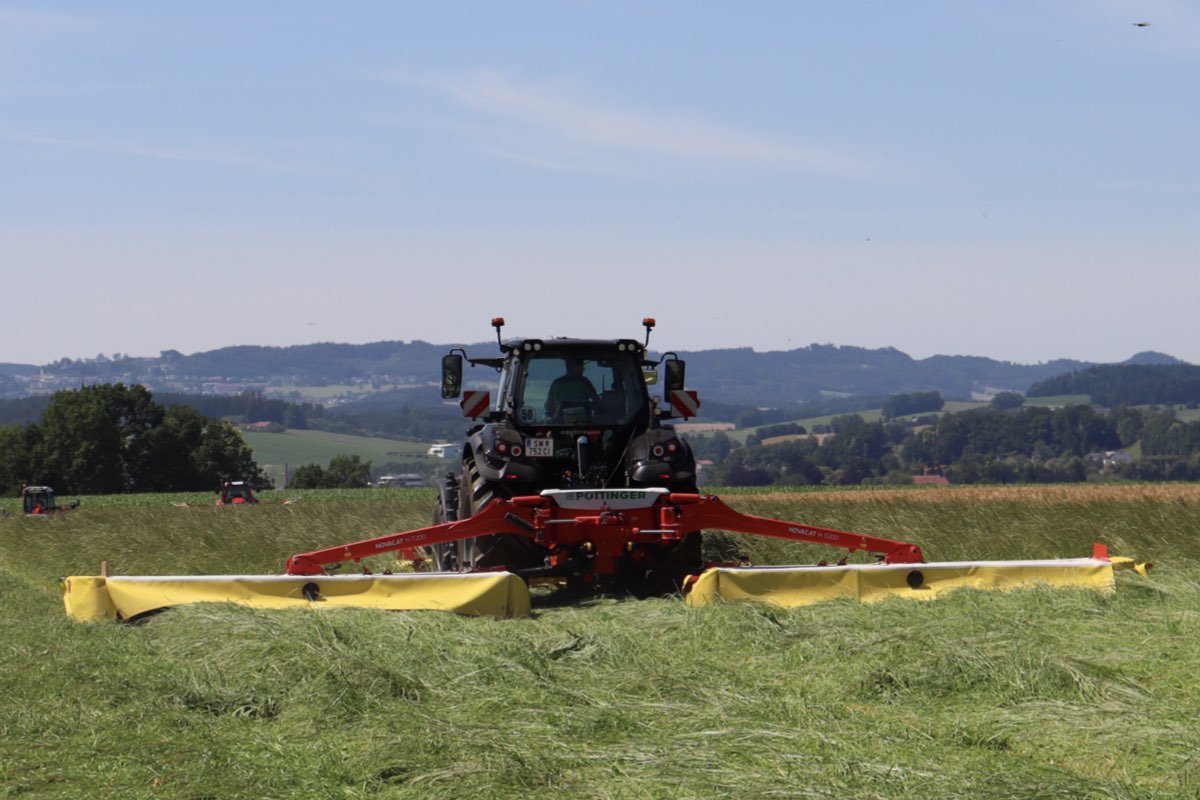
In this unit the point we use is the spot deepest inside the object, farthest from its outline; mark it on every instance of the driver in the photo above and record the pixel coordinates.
(571, 388)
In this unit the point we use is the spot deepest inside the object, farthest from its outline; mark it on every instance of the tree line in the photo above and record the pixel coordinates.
(343, 472)
(249, 406)
(112, 438)
(986, 445)
(408, 415)
(1127, 384)
(109, 438)
(903, 405)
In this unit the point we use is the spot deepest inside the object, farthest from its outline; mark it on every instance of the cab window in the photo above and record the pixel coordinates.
(570, 388)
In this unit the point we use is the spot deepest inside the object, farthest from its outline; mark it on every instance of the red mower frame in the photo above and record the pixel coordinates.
(591, 540)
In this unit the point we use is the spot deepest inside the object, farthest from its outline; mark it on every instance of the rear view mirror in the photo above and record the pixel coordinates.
(675, 374)
(452, 371)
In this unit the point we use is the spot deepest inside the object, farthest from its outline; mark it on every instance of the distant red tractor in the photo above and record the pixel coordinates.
(40, 500)
(236, 493)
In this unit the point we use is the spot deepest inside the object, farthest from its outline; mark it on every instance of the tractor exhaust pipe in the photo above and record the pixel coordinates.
(581, 454)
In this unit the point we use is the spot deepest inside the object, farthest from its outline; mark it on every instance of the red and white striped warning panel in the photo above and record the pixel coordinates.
(475, 404)
(686, 402)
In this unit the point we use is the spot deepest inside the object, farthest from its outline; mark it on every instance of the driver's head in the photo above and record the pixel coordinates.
(574, 366)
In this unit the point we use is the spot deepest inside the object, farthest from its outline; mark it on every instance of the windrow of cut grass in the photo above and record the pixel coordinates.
(1032, 694)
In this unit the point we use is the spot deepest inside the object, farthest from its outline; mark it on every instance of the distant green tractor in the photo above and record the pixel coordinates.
(40, 500)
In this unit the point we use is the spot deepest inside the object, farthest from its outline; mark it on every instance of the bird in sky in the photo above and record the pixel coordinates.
(1141, 24)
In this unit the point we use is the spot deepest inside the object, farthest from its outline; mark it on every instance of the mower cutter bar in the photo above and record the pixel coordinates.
(131, 597)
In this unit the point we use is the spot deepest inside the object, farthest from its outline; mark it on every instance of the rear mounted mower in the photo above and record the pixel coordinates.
(595, 538)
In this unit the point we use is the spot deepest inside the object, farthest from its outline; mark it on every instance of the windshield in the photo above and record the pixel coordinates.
(579, 388)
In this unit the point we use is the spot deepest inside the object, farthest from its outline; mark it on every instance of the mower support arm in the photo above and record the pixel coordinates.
(707, 511)
(500, 516)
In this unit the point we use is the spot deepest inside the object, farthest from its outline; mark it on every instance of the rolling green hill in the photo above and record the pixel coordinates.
(1058, 401)
(276, 452)
(868, 415)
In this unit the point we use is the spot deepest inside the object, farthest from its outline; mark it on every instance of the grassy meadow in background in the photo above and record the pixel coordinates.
(1032, 694)
(277, 452)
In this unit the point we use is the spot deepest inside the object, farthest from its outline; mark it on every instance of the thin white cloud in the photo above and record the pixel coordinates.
(551, 119)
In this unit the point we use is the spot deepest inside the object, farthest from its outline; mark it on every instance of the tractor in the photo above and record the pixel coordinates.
(567, 414)
(235, 493)
(40, 500)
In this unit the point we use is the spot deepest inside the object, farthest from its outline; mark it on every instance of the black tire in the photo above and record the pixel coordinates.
(497, 550)
(445, 556)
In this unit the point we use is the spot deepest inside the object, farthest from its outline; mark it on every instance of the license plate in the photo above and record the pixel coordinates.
(539, 447)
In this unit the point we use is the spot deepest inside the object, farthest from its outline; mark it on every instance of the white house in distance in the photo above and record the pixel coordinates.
(407, 479)
(439, 450)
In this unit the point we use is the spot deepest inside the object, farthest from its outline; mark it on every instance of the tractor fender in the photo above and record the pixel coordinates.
(646, 467)
(651, 472)
(520, 473)
(478, 445)
(494, 468)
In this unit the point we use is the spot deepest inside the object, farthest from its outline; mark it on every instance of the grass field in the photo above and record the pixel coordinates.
(1034, 694)
(1058, 401)
(1187, 414)
(291, 449)
(869, 415)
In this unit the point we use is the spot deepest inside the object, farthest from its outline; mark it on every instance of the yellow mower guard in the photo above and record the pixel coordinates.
(497, 594)
(798, 585)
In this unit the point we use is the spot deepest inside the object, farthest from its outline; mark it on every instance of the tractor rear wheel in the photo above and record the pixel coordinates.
(445, 555)
(495, 550)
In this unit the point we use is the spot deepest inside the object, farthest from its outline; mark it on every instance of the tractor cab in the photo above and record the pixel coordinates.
(40, 500)
(236, 493)
(572, 413)
(575, 384)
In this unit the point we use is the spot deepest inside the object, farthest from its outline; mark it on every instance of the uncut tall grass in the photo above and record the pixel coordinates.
(1035, 693)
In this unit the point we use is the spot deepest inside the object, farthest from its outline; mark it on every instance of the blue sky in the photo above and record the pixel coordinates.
(1017, 180)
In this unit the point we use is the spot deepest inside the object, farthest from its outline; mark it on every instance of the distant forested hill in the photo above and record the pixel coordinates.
(806, 374)
(1127, 384)
(16, 369)
(310, 364)
(318, 363)
(740, 376)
